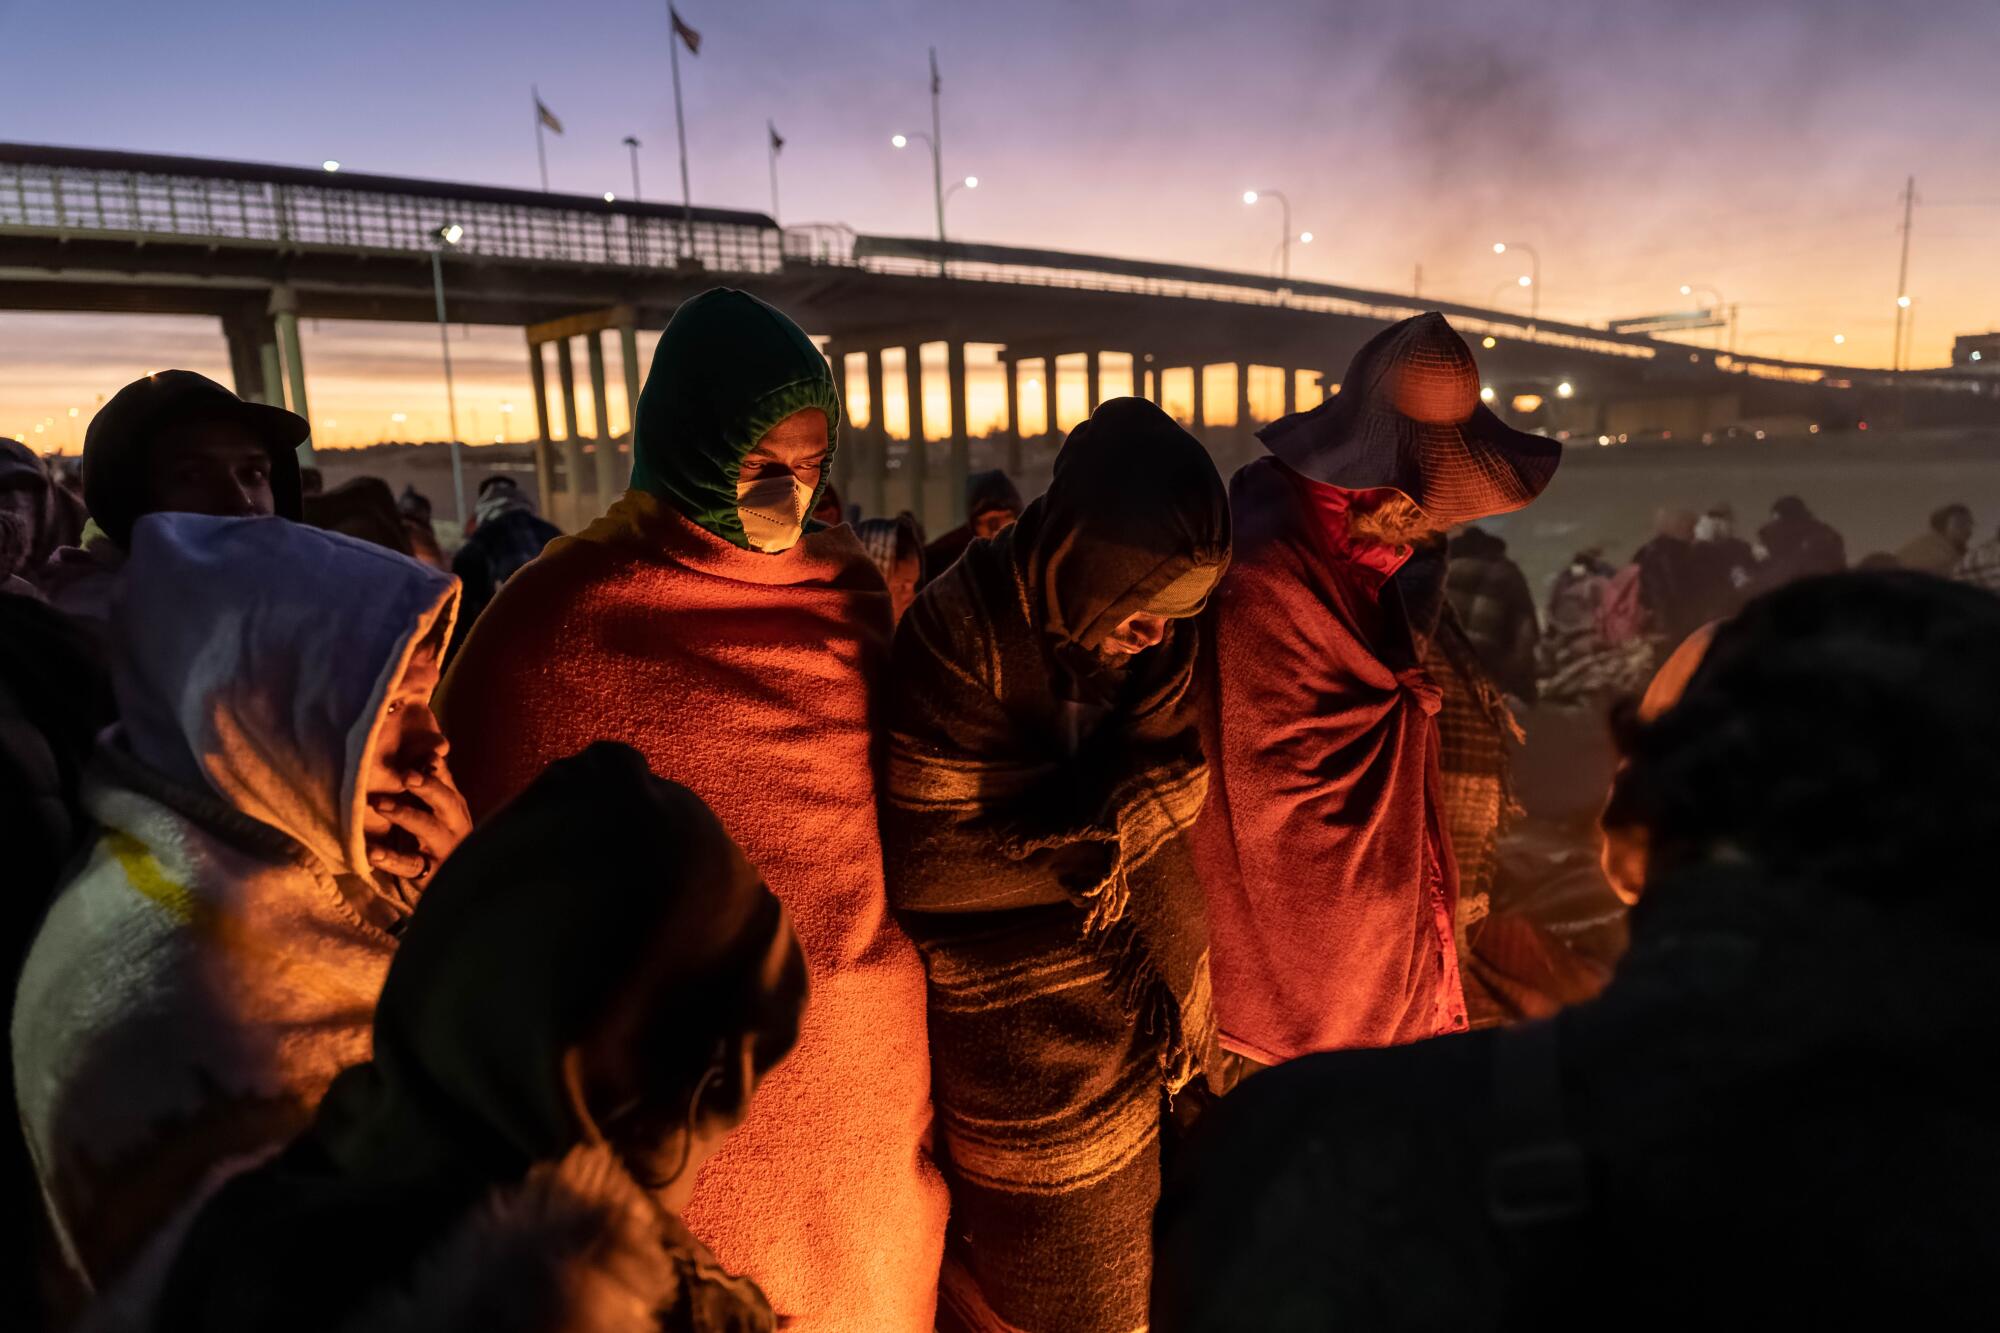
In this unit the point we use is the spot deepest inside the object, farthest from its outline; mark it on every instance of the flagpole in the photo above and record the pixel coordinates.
(937, 157)
(680, 128)
(541, 153)
(773, 143)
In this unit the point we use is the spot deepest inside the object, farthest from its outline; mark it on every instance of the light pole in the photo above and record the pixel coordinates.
(506, 415)
(1533, 280)
(1718, 308)
(632, 143)
(937, 182)
(449, 234)
(1305, 238)
(1251, 197)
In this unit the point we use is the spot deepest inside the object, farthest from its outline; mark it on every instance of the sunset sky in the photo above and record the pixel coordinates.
(1758, 147)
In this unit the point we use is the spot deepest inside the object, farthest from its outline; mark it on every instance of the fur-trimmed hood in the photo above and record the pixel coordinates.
(576, 1247)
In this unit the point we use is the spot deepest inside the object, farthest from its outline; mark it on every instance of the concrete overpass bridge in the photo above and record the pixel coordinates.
(259, 247)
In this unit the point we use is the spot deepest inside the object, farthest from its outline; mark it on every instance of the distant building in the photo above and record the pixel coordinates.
(1977, 351)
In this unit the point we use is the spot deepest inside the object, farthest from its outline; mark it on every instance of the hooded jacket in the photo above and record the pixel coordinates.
(727, 369)
(1036, 841)
(753, 679)
(458, 1142)
(215, 960)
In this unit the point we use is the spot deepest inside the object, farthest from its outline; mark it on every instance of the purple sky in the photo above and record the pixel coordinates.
(1755, 146)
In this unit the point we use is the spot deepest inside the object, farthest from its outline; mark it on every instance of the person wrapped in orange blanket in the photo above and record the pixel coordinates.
(740, 648)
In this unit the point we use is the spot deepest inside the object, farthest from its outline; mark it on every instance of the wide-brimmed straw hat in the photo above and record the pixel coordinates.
(1408, 417)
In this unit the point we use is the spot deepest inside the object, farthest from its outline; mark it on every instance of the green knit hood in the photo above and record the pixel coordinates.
(728, 368)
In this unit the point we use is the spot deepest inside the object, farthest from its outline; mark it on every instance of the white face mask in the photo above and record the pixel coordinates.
(773, 511)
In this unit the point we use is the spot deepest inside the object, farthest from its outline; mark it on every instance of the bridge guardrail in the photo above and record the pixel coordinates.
(147, 204)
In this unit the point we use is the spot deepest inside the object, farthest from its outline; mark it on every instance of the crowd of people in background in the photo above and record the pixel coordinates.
(741, 913)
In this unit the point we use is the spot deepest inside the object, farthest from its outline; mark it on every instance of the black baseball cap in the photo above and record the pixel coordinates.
(115, 473)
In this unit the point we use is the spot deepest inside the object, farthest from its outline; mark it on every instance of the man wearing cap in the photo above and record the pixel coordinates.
(1330, 880)
(174, 442)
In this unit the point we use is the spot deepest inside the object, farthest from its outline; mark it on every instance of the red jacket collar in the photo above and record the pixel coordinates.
(1333, 507)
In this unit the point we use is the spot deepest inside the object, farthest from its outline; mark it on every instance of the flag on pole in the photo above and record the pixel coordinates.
(547, 116)
(684, 32)
(777, 140)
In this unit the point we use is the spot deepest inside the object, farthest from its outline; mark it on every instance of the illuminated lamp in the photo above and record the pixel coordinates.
(1489, 342)
(1527, 402)
(1565, 389)
(1486, 394)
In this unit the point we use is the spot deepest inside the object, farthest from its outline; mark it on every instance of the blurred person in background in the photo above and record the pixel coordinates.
(1981, 566)
(1796, 544)
(1731, 562)
(415, 509)
(1495, 609)
(268, 808)
(897, 548)
(37, 516)
(506, 533)
(1943, 545)
(1679, 587)
(992, 502)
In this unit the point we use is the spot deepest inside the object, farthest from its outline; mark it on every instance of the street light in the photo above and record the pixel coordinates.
(937, 183)
(1903, 302)
(450, 234)
(969, 183)
(506, 415)
(1839, 339)
(610, 198)
(329, 165)
(1565, 390)
(1285, 205)
(1532, 280)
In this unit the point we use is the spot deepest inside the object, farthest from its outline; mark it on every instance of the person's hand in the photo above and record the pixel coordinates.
(410, 832)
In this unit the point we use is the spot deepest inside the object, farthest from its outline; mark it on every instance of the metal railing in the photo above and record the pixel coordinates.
(349, 215)
(70, 192)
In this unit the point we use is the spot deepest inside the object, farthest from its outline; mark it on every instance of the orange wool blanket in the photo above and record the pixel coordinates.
(751, 679)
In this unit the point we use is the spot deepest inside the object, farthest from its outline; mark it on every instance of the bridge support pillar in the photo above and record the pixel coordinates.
(961, 431)
(545, 468)
(1012, 388)
(1198, 412)
(285, 307)
(877, 500)
(846, 459)
(913, 392)
(1052, 378)
(572, 445)
(1291, 391)
(1243, 397)
(1093, 382)
(606, 458)
(628, 357)
(252, 339)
